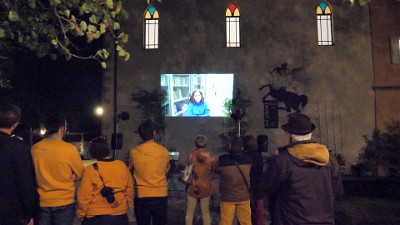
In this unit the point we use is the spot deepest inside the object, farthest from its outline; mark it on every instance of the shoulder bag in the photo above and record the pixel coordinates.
(187, 175)
(253, 205)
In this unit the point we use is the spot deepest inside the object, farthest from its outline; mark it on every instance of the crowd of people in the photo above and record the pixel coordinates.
(301, 182)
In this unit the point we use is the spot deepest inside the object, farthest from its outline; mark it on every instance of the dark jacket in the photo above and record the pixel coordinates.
(256, 172)
(231, 184)
(303, 180)
(17, 191)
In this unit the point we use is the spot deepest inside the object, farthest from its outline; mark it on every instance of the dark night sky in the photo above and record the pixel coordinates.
(42, 86)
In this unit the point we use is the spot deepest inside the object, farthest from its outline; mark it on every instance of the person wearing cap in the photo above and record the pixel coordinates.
(234, 195)
(303, 180)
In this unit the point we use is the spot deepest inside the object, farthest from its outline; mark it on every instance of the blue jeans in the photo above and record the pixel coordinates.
(107, 220)
(60, 215)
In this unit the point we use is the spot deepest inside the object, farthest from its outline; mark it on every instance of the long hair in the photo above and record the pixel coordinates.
(192, 97)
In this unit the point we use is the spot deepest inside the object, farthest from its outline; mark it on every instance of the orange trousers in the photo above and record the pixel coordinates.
(241, 209)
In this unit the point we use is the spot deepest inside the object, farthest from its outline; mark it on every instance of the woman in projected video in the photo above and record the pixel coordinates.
(197, 106)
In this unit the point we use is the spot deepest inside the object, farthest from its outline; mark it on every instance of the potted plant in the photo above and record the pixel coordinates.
(152, 105)
(381, 154)
(235, 111)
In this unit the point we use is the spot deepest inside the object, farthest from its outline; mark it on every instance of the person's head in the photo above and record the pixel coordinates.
(196, 97)
(10, 115)
(56, 122)
(146, 131)
(99, 148)
(201, 141)
(299, 127)
(236, 146)
(249, 143)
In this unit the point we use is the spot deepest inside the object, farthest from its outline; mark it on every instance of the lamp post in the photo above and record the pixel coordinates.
(117, 138)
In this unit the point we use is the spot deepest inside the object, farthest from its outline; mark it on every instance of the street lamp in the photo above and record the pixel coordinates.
(99, 111)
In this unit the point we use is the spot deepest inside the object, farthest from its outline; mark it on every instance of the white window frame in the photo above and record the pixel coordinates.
(151, 34)
(232, 31)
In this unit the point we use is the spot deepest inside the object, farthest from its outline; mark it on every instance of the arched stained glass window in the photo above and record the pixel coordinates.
(324, 24)
(232, 26)
(151, 28)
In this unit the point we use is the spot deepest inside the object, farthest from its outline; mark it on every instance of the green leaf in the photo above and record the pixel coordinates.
(122, 52)
(118, 48)
(2, 33)
(94, 19)
(102, 28)
(67, 12)
(83, 26)
(116, 26)
(92, 28)
(127, 56)
(13, 16)
(103, 65)
(54, 42)
(89, 36)
(105, 53)
(110, 4)
(97, 34)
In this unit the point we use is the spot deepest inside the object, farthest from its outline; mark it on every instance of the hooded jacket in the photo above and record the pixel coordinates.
(302, 182)
(202, 184)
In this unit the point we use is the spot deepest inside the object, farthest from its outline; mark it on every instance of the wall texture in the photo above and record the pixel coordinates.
(385, 22)
(337, 79)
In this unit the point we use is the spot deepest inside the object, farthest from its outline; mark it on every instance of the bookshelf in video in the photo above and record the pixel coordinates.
(178, 88)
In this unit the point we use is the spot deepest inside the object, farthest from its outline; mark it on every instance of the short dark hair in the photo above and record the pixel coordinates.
(9, 115)
(54, 122)
(99, 148)
(146, 131)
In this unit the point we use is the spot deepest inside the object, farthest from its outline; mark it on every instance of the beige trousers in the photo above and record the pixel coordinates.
(205, 210)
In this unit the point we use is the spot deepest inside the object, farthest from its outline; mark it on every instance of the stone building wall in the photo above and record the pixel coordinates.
(337, 79)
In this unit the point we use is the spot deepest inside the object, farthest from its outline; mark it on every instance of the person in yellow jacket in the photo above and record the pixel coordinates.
(150, 164)
(57, 166)
(106, 190)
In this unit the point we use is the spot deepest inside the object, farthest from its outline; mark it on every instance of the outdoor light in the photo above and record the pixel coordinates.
(99, 111)
(42, 131)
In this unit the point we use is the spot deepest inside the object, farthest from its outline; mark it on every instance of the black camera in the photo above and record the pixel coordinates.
(108, 193)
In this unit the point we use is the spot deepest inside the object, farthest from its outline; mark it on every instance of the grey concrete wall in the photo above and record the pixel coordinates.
(337, 79)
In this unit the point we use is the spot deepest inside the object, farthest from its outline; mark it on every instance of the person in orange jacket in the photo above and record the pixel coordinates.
(150, 164)
(106, 190)
(58, 166)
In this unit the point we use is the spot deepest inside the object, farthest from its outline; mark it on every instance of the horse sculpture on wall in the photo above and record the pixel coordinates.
(290, 99)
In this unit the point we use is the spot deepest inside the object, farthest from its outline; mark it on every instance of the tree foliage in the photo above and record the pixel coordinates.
(62, 27)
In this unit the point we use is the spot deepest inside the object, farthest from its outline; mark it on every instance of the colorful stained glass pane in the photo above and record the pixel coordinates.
(232, 7)
(147, 15)
(155, 16)
(236, 13)
(152, 9)
(323, 8)
(228, 13)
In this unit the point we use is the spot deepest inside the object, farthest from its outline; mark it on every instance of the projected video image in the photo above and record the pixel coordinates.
(196, 95)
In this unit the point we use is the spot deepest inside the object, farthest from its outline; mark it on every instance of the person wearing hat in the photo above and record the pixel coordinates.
(234, 169)
(303, 180)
